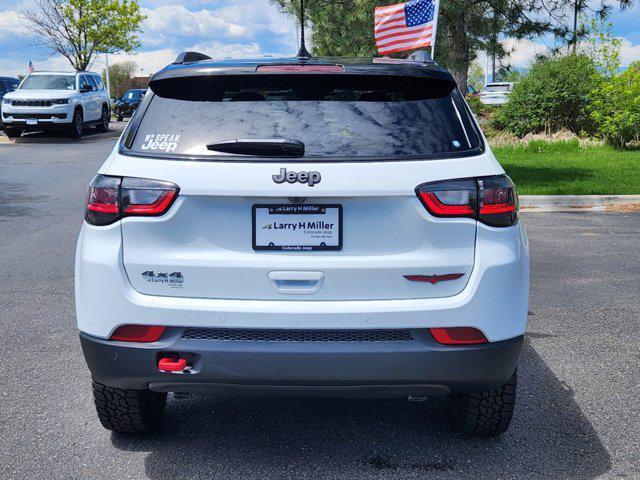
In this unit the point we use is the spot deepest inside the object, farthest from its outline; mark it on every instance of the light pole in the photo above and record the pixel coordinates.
(106, 59)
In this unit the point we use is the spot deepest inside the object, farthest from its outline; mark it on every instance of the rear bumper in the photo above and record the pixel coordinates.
(388, 369)
(494, 300)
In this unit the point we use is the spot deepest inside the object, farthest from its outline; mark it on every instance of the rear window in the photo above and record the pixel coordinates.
(132, 95)
(350, 117)
(497, 88)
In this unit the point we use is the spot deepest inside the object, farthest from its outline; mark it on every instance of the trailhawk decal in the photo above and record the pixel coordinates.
(162, 142)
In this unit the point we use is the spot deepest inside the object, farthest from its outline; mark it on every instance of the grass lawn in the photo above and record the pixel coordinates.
(566, 168)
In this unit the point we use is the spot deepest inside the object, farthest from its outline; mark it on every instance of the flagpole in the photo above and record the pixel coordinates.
(435, 30)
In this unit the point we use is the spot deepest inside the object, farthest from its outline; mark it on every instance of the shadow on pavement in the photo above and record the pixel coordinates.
(54, 136)
(206, 437)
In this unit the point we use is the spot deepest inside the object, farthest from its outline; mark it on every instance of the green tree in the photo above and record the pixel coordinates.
(615, 107)
(566, 19)
(120, 75)
(345, 28)
(80, 29)
(476, 76)
(602, 47)
(552, 96)
(510, 75)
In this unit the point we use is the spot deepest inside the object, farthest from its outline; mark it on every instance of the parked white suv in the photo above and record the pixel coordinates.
(56, 101)
(302, 227)
(496, 93)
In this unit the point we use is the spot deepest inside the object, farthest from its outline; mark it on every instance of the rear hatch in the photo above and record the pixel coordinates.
(299, 186)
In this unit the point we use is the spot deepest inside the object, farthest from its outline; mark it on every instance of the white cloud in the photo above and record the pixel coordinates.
(167, 24)
(220, 29)
(11, 23)
(152, 61)
(629, 53)
(524, 52)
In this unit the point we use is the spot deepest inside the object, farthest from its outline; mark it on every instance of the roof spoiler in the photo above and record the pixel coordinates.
(190, 57)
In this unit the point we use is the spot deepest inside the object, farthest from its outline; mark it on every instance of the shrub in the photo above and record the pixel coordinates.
(478, 108)
(615, 108)
(551, 97)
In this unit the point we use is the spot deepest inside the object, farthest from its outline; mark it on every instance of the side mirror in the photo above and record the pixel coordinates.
(85, 87)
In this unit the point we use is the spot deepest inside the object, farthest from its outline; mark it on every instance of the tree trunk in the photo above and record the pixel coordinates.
(458, 50)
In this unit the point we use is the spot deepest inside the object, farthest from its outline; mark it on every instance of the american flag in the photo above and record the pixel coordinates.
(405, 26)
(31, 69)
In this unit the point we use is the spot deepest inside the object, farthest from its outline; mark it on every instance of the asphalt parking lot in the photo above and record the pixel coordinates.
(578, 407)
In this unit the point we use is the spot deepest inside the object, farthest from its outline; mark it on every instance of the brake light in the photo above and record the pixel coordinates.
(111, 198)
(490, 200)
(137, 333)
(300, 68)
(458, 336)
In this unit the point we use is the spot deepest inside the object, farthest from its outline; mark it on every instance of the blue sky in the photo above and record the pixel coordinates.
(225, 29)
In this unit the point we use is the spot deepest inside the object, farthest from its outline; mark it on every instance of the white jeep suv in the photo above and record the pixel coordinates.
(56, 101)
(302, 227)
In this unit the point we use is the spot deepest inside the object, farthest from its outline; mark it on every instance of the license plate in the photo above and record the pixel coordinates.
(297, 227)
(32, 121)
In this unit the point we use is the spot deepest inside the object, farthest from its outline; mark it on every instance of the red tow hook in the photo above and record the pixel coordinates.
(172, 365)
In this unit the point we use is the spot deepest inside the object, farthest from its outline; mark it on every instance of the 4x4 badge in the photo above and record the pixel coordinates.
(310, 178)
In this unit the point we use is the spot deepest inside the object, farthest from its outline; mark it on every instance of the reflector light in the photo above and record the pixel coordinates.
(301, 68)
(458, 336)
(137, 333)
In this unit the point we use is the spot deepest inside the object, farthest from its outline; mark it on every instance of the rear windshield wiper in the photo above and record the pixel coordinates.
(260, 147)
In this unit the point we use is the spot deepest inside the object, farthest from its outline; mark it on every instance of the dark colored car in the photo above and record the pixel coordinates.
(128, 103)
(7, 84)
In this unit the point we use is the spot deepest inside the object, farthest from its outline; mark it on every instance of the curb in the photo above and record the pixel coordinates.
(573, 203)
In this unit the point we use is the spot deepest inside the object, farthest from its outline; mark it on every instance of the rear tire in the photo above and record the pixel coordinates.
(484, 414)
(120, 118)
(11, 132)
(76, 129)
(103, 126)
(126, 410)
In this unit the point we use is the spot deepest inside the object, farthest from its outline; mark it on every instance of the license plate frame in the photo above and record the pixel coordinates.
(298, 210)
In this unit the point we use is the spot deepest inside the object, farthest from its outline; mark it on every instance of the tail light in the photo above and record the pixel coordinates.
(137, 333)
(458, 336)
(452, 198)
(491, 200)
(498, 201)
(111, 198)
